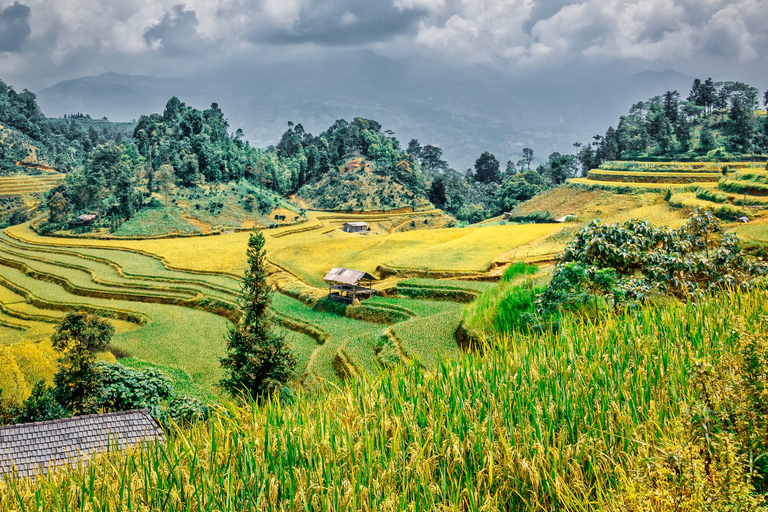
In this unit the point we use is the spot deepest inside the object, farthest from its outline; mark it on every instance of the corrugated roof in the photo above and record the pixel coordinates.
(32, 448)
(356, 224)
(346, 276)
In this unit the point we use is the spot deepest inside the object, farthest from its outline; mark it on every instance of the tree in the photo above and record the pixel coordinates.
(431, 159)
(57, 207)
(188, 173)
(165, 180)
(78, 337)
(509, 170)
(437, 192)
(124, 193)
(528, 157)
(258, 360)
(414, 148)
(487, 168)
(559, 168)
(706, 140)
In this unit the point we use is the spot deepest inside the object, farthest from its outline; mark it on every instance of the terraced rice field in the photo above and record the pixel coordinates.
(26, 184)
(175, 317)
(652, 175)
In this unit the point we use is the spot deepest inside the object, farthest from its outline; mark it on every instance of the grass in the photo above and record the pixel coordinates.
(470, 249)
(26, 184)
(91, 273)
(156, 222)
(578, 420)
(676, 166)
(430, 339)
(690, 200)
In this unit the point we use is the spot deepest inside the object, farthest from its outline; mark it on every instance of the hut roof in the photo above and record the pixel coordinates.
(32, 448)
(86, 217)
(356, 224)
(346, 276)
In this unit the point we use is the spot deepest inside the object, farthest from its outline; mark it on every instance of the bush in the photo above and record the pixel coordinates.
(606, 266)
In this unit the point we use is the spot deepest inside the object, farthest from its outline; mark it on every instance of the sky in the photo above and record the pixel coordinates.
(45, 41)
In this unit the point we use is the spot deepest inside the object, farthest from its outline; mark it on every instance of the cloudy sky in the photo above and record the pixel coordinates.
(45, 41)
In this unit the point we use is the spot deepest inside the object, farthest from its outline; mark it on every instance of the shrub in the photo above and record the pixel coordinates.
(622, 264)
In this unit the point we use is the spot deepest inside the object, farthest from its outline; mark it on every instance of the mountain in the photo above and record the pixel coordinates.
(465, 112)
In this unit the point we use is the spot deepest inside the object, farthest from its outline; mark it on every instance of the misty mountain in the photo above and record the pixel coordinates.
(464, 112)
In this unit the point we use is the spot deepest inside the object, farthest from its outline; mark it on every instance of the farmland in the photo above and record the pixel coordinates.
(588, 415)
(174, 298)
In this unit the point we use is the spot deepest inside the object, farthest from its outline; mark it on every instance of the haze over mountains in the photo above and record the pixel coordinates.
(465, 111)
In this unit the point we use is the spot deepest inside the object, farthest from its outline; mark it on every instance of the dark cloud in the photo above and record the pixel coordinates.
(176, 33)
(343, 22)
(543, 9)
(14, 27)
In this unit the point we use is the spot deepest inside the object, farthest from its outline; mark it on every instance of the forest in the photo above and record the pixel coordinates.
(717, 121)
(114, 168)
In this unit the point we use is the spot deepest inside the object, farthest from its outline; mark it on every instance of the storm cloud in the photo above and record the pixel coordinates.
(342, 22)
(43, 41)
(14, 27)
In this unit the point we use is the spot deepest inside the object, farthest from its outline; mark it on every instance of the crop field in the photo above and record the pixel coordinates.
(685, 177)
(174, 298)
(165, 314)
(632, 185)
(26, 184)
(584, 418)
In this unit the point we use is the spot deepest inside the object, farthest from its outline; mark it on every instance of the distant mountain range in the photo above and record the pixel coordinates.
(464, 112)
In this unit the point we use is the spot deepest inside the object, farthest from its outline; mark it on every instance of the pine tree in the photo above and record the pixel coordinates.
(258, 360)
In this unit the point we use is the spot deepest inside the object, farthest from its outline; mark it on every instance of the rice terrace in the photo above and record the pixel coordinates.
(343, 322)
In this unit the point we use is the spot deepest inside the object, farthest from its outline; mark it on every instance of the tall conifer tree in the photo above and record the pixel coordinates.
(258, 360)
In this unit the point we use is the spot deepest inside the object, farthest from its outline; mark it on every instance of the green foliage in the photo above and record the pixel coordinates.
(77, 337)
(518, 188)
(517, 269)
(121, 388)
(156, 222)
(41, 405)
(720, 125)
(258, 361)
(622, 264)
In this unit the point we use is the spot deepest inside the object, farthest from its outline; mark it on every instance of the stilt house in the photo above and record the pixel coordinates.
(346, 284)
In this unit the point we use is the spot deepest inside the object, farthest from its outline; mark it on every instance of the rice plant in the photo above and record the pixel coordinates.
(595, 417)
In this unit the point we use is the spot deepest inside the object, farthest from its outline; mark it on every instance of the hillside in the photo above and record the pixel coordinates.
(431, 102)
(715, 121)
(356, 186)
(499, 431)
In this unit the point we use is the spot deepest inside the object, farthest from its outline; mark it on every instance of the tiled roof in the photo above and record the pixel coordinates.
(347, 276)
(356, 224)
(32, 448)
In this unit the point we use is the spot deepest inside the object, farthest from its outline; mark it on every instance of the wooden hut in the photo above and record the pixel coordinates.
(346, 284)
(355, 227)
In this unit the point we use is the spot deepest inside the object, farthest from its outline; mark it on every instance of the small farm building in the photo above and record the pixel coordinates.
(82, 220)
(507, 215)
(35, 448)
(355, 227)
(346, 284)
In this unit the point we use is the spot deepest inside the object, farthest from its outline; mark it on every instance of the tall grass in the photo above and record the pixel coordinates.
(567, 421)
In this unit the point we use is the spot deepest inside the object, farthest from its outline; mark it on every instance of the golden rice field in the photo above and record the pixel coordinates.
(26, 184)
(311, 249)
(172, 298)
